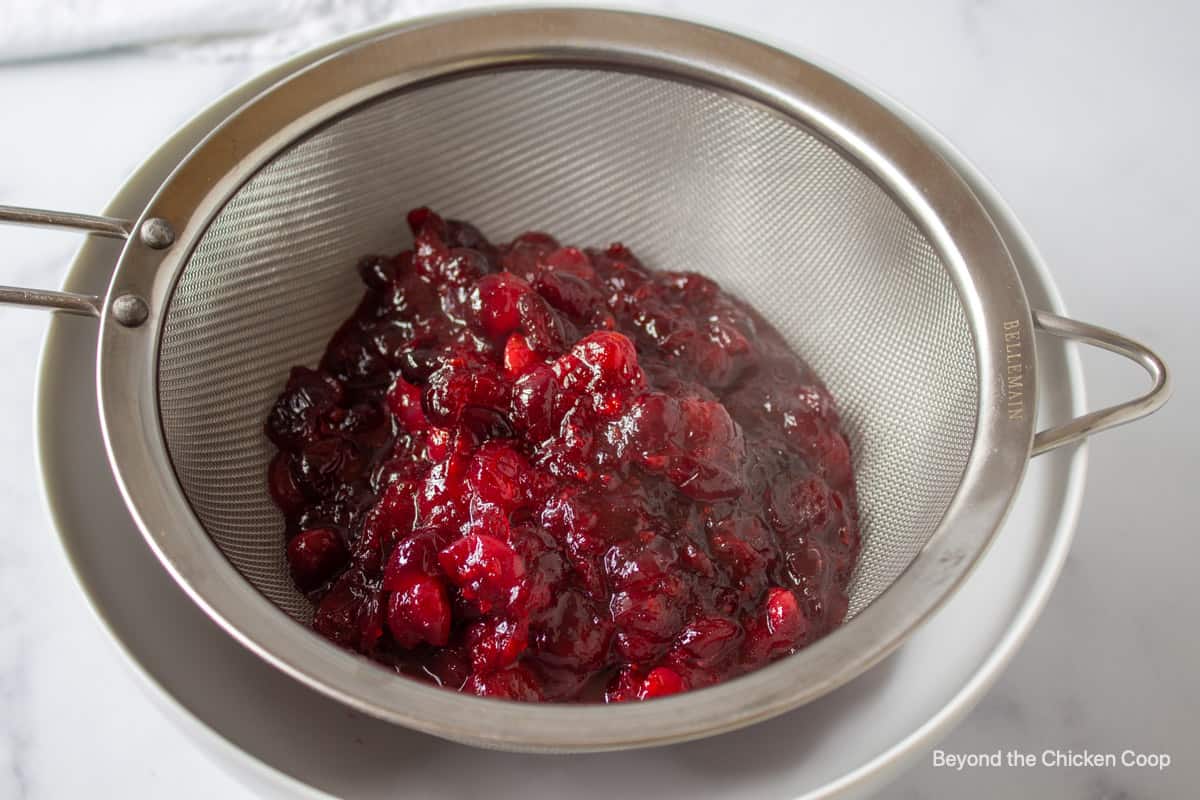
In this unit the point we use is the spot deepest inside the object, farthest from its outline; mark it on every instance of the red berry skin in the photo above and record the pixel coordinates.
(624, 686)
(396, 507)
(496, 643)
(418, 611)
(646, 623)
(514, 683)
(349, 614)
(417, 554)
(494, 303)
(601, 363)
(783, 614)
(326, 463)
(779, 629)
(570, 294)
(575, 635)
(421, 218)
(524, 256)
(404, 401)
(534, 403)
(377, 272)
(282, 485)
(484, 568)
(569, 260)
(296, 416)
(314, 556)
(706, 645)
(518, 356)
(660, 682)
(498, 474)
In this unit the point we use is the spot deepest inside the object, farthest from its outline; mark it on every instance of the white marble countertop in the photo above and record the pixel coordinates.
(1083, 114)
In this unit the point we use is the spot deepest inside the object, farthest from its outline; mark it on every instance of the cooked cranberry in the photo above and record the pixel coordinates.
(575, 635)
(523, 257)
(498, 475)
(514, 683)
(661, 682)
(570, 294)
(414, 555)
(464, 266)
(799, 509)
(533, 403)
(418, 610)
(485, 423)
(404, 401)
(353, 358)
(419, 218)
(496, 642)
(366, 423)
(605, 365)
(646, 622)
(570, 261)
(417, 364)
(783, 614)
(625, 685)
(349, 614)
(413, 306)
(704, 453)
(546, 331)
(484, 568)
(282, 485)
(377, 272)
(325, 464)
(494, 303)
(314, 557)
(778, 631)
(743, 546)
(545, 568)
(464, 234)
(309, 395)
(708, 643)
(462, 382)
(535, 472)
(517, 355)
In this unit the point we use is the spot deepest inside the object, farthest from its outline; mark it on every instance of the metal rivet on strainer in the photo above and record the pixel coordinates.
(130, 310)
(157, 233)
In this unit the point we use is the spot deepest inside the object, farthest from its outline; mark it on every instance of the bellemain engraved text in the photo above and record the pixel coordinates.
(1014, 371)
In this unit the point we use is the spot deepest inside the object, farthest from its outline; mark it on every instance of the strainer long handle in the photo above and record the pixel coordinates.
(1112, 416)
(70, 302)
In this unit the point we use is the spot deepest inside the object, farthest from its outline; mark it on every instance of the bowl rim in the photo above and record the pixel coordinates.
(879, 140)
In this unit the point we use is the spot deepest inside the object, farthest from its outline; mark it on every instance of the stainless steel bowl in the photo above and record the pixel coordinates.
(700, 149)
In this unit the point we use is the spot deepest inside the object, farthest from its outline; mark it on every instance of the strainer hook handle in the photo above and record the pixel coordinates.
(1110, 417)
(70, 302)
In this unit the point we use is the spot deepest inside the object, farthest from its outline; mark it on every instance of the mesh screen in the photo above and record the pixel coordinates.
(687, 177)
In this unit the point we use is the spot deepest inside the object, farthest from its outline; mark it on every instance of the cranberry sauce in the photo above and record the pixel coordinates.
(536, 472)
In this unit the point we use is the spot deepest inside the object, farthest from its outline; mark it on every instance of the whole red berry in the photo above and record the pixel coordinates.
(314, 556)
(418, 610)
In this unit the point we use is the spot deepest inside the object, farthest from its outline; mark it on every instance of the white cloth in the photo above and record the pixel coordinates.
(221, 29)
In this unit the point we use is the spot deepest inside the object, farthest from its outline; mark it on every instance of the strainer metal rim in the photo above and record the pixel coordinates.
(930, 189)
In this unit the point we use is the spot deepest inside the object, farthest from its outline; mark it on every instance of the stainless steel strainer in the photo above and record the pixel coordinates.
(701, 150)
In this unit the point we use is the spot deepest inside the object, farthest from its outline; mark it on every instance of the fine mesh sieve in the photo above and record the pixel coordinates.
(700, 150)
(697, 180)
